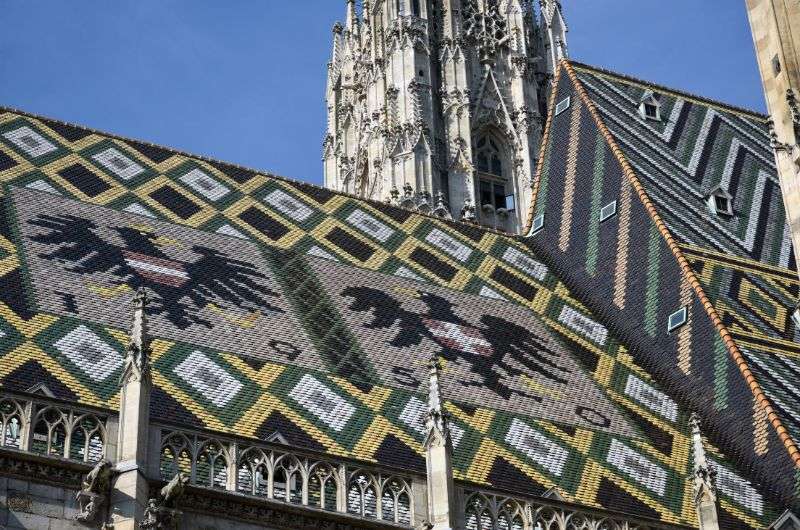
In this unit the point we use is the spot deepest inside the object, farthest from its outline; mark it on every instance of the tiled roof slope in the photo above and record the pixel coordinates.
(744, 261)
(654, 255)
(277, 302)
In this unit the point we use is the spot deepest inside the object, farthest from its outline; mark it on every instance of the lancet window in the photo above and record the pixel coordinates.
(11, 417)
(371, 496)
(274, 474)
(69, 434)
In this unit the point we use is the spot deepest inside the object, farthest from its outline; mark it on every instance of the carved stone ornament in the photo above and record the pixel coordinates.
(468, 211)
(137, 365)
(705, 476)
(436, 419)
(162, 513)
(93, 493)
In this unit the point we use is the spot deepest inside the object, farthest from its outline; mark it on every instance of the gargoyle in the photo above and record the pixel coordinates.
(162, 513)
(92, 495)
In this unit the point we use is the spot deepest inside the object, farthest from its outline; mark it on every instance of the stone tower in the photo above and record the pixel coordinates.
(776, 34)
(438, 105)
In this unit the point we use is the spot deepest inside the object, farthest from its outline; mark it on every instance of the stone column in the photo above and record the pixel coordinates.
(130, 491)
(775, 25)
(438, 452)
(705, 491)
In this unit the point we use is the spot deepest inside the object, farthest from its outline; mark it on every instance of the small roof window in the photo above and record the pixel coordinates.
(649, 106)
(720, 201)
(608, 211)
(796, 316)
(538, 223)
(787, 521)
(562, 105)
(677, 319)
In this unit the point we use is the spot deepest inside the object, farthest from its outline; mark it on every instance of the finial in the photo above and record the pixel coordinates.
(136, 361)
(337, 28)
(440, 202)
(423, 196)
(704, 473)
(394, 194)
(351, 19)
(408, 191)
(438, 431)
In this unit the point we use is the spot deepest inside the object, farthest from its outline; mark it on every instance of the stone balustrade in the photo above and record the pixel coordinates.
(253, 471)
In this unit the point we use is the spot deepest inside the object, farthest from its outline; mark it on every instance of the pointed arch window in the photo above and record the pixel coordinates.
(495, 193)
(488, 158)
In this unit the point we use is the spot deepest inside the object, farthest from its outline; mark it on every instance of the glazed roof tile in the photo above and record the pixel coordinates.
(735, 275)
(281, 306)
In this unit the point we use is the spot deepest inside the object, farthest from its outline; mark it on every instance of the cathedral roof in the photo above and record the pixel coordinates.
(677, 211)
(284, 307)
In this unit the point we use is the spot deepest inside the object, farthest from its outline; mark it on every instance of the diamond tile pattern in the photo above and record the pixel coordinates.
(338, 404)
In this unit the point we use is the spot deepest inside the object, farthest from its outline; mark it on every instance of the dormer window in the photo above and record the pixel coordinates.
(720, 202)
(650, 107)
(537, 224)
(796, 316)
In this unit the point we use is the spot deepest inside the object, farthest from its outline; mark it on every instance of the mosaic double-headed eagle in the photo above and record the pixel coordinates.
(497, 351)
(182, 288)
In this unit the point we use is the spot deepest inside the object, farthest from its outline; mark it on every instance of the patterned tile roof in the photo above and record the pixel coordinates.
(624, 202)
(281, 306)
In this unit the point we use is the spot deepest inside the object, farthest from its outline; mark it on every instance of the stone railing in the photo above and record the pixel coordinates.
(278, 474)
(488, 510)
(234, 468)
(47, 427)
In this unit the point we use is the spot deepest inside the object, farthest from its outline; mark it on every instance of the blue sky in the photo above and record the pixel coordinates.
(246, 83)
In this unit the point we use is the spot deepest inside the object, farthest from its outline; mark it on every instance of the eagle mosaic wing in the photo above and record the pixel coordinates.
(386, 310)
(221, 279)
(524, 347)
(76, 244)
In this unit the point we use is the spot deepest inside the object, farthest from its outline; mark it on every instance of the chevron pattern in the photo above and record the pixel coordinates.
(745, 262)
(694, 149)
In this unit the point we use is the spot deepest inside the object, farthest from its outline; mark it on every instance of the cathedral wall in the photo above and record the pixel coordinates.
(25, 504)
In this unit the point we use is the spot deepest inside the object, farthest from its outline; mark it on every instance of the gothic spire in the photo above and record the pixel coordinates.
(705, 490)
(351, 19)
(134, 422)
(438, 431)
(136, 359)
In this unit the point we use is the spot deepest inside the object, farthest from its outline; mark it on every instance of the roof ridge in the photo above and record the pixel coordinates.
(674, 91)
(204, 158)
(741, 363)
(744, 261)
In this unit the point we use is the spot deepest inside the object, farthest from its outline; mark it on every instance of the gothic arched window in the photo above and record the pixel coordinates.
(494, 189)
(488, 158)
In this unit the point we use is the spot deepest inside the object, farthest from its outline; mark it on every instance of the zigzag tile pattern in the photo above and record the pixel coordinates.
(692, 150)
(290, 228)
(621, 267)
(744, 261)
